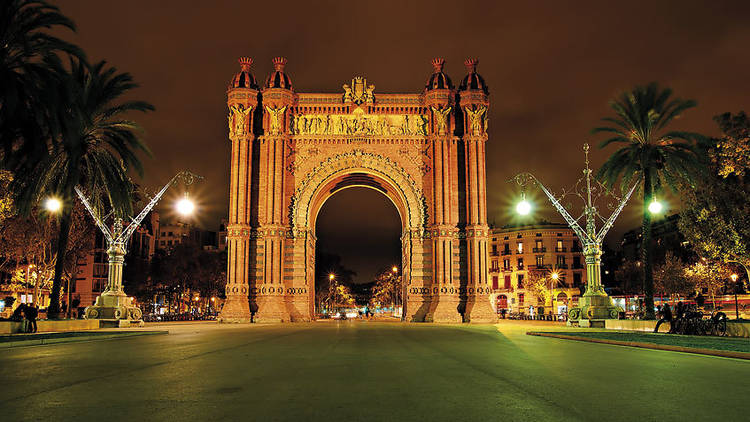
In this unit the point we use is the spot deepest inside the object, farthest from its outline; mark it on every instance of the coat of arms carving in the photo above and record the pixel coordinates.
(359, 92)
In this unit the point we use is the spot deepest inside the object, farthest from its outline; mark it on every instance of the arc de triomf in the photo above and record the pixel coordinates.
(291, 151)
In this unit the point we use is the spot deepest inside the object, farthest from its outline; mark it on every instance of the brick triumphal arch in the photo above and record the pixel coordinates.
(291, 151)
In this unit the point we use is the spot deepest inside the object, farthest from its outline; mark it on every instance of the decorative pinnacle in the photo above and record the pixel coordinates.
(471, 65)
(437, 64)
(245, 63)
(279, 63)
(586, 153)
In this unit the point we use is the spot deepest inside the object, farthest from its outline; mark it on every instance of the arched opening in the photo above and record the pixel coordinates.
(358, 243)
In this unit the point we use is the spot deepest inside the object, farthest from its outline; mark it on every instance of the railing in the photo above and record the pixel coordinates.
(494, 253)
(507, 252)
(577, 266)
(563, 249)
(562, 266)
(540, 250)
(495, 270)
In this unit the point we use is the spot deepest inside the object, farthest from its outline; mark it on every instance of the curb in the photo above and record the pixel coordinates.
(670, 348)
(73, 339)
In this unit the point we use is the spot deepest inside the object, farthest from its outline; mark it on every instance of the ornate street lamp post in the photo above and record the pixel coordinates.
(113, 306)
(595, 306)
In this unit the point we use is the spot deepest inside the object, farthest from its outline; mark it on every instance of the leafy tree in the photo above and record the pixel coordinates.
(95, 148)
(670, 278)
(715, 217)
(629, 276)
(326, 264)
(708, 276)
(649, 155)
(387, 290)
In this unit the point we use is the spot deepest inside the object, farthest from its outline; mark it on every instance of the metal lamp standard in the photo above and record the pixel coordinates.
(113, 306)
(595, 305)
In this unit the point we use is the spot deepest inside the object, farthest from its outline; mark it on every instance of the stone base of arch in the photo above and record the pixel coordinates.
(236, 310)
(479, 310)
(271, 309)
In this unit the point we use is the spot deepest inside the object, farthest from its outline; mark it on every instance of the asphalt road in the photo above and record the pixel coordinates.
(354, 371)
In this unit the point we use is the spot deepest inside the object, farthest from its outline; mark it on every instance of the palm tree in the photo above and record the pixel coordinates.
(95, 149)
(648, 154)
(29, 57)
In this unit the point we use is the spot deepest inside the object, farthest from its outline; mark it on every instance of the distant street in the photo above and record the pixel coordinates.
(364, 371)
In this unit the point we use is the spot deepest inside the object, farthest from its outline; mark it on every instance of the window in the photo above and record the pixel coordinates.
(507, 282)
(540, 260)
(520, 299)
(494, 266)
(576, 247)
(520, 263)
(163, 242)
(520, 247)
(494, 282)
(520, 281)
(506, 264)
(561, 260)
(506, 249)
(576, 279)
(559, 235)
(576, 262)
(539, 244)
(538, 235)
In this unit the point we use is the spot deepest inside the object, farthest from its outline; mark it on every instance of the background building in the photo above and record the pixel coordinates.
(517, 253)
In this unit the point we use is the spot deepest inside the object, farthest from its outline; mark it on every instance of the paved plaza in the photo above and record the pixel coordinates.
(362, 371)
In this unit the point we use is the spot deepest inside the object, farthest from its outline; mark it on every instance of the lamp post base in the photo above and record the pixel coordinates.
(593, 309)
(115, 309)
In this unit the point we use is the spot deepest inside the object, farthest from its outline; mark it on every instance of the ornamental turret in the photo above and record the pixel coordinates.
(278, 97)
(242, 98)
(474, 98)
(438, 98)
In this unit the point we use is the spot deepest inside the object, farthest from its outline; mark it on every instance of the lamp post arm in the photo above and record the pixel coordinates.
(585, 238)
(125, 236)
(613, 217)
(99, 223)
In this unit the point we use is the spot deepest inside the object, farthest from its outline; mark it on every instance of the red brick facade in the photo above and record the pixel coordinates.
(291, 151)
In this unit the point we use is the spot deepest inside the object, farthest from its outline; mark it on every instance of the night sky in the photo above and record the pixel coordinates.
(551, 68)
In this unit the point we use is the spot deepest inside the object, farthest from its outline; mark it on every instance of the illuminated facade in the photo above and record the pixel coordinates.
(291, 151)
(518, 253)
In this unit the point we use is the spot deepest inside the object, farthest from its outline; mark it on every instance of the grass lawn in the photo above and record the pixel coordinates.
(698, 342)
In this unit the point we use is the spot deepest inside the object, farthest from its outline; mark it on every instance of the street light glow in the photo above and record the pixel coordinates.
(655, 207)
(394, 269)
(555, 275)
(53, 204)
(523, 207)
(185, 206)
(331, 276)
(733, 277)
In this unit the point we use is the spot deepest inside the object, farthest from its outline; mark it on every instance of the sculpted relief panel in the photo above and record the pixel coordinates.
(360, 124)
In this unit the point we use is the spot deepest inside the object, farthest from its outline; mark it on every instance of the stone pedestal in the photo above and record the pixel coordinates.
(479, 310)
(271, 309)
(236, 310)
(445, 311)
(115, 309)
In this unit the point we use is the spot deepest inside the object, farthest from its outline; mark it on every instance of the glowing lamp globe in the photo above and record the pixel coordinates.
(655, 207)
(555, 276)
(523, 207)
(52, 204)
(185, 206)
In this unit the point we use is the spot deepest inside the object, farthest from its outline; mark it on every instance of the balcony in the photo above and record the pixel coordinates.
(506, 252)
(577, 267)
(562, 266)
(520, 268)
(561, 249)
(540, 250)
(494, 270)
(494, 253)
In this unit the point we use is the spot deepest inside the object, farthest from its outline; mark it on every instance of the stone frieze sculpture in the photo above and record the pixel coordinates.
(360, 125)
(237, 118)
(441, 119)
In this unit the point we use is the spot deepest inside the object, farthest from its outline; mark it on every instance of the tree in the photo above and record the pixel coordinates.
(326, 264)
(670, 278)
(649, 155)
(629, 276)
(95, 148)
(387, 290)
(29, 58)
(708, 276)
(715, 217)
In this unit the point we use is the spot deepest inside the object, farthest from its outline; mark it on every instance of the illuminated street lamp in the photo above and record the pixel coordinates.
(394, 270)
(523, 207)
(736, 303)
(595, 305)
(53, 205)
(185, 206)
(655, 207)
(113, 306)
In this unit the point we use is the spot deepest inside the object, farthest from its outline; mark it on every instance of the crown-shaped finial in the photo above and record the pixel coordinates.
(279, 63)
(471, 65)
(245, 63)
(437, 64)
